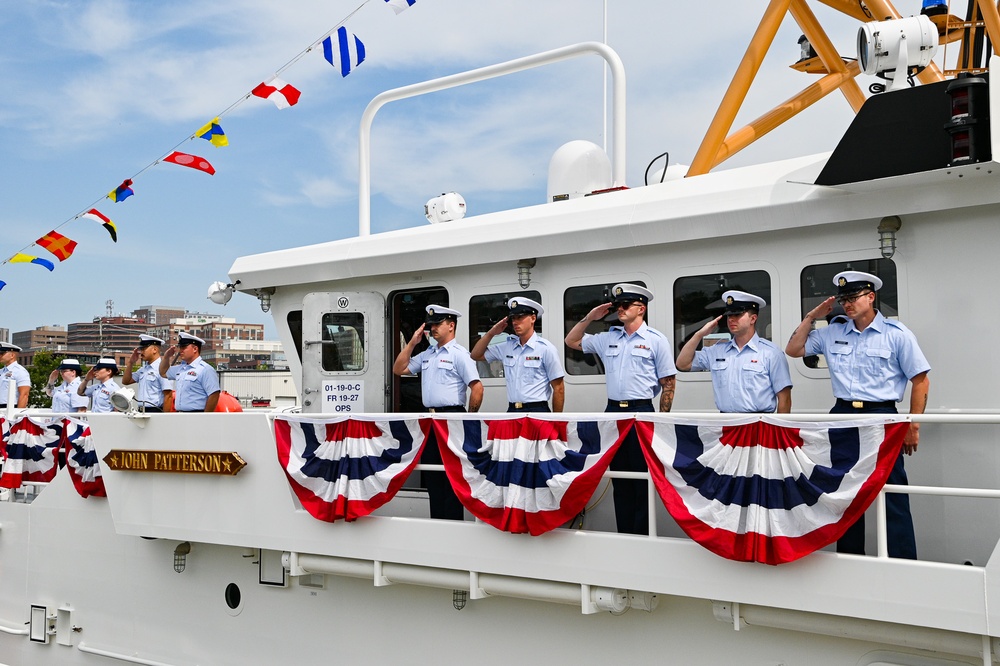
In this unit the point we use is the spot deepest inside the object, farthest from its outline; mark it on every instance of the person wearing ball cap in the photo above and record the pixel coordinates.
(151, 386)
(749, 373)
(64, 396)
(100, 392)
(13, 372)
(196, 383)
(871, 360)
(446, 372)
(531, 366)
(638, 363)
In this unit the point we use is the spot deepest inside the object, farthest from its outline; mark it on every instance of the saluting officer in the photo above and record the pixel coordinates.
(446, 372)
(196, 384)
(638, 363)
(64, 396)
(151, 385)
(13, 372)
(749, 373)
(871, 358)
(531, 366)
(101, 392)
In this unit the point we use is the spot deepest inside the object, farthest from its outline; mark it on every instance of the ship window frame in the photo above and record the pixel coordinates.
(573, 313)
(492, 308)
(349, 320)
(731, 279)
(814, 288)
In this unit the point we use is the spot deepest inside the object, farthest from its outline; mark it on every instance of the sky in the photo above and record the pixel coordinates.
(98, 90)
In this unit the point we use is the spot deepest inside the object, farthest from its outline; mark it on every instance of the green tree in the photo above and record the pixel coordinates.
(41, 367)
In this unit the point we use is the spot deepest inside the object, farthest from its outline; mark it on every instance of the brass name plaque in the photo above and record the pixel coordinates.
(223, 463)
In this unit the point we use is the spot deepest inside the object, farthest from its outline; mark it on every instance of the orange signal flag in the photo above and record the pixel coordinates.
(57, 244)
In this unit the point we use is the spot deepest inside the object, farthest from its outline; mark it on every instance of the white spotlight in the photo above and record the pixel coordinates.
(220, 292)
(889, 49)
(445, 208)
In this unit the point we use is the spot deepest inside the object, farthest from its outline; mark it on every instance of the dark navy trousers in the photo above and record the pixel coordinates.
(899, 523)
(631, 495)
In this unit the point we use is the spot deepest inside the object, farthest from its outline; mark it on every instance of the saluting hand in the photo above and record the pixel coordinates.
(823, 309)
(134, 357)
(710, 326)
(417, 335)
(171, 353)
(600, 312)
(498, 327)
(53, 376)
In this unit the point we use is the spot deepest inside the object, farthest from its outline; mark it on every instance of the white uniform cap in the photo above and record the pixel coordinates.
(6, 347)
(625, 291)
(107, 363)
(738, 302)
(149, 340)
(186, 339)
(438, 313)
(519, 305)
(848, 282)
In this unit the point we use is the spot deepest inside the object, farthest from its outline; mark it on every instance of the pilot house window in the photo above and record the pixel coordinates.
(577, 302)
(817, 285)
(486, 310)
(343, 342)
(698, 300)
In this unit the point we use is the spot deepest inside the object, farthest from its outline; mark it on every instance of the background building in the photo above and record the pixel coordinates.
(158, 314)
(52, 338)
(118, 334)
(217, 331)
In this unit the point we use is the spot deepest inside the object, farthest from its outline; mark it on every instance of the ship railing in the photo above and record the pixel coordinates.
(985, 417)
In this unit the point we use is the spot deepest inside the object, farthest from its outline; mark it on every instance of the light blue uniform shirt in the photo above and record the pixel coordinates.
(100, 396)
(445, 373)
(65, 397)
(14, 372)
(193, 383)
(745, 380)
(871, 365)
(528, 369)
(633, 364)
(150, 385)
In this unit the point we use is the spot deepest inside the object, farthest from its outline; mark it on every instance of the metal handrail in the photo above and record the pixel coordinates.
(482, 74)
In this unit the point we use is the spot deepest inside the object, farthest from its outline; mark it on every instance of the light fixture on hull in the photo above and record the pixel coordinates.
(887, 228)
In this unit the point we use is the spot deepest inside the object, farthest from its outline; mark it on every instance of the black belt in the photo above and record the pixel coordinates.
(861, 404)
(623, 404)
(522, 405)
(189, 411)
(451, 408)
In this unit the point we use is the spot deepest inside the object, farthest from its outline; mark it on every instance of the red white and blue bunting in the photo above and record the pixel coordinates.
(525, 474)
(764, 490)
(755, 489)
(342, 469)
(81, 459)
(30, 450)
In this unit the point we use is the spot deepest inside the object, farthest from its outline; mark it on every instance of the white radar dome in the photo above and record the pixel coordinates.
(576, 169)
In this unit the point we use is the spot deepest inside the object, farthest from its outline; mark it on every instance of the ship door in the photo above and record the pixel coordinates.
(343, 352)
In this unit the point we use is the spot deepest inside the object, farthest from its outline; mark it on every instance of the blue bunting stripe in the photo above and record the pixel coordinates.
(764, 492)
(527, 475)
(343, 468)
